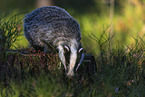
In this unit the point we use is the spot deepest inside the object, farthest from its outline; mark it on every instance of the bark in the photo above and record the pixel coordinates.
(41, 3)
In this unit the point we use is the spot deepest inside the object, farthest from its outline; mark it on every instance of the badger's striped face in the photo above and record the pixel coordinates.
(73, 59)
(69, 57)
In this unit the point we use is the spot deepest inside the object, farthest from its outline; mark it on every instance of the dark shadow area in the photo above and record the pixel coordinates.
(81, 6)
(8, 6)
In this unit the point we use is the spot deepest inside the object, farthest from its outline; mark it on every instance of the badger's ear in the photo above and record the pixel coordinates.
(80, 50)
(67, 48)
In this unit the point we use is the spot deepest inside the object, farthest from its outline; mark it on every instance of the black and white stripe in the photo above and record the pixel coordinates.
(54, 25)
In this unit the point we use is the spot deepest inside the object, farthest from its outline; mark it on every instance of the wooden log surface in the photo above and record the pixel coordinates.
(38, 61)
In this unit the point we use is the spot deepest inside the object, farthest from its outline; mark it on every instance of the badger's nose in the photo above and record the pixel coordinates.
(70, 74)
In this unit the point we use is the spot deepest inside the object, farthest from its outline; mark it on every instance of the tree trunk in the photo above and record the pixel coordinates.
(111, 13)
(41, 3)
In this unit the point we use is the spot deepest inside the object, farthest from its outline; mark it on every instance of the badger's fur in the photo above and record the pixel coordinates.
(54, 26)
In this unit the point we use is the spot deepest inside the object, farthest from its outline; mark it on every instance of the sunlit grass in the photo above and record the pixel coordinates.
(12, 28)
(126, 25)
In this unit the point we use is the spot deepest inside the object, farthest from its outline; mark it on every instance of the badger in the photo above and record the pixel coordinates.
(52, 25)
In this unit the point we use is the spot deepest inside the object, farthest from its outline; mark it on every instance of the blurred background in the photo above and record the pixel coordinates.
(123, 21)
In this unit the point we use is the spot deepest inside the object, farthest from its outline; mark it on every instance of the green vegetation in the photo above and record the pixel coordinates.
(119, 58)
(127, 25)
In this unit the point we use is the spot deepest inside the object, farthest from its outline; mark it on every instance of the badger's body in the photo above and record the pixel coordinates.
(54, 26)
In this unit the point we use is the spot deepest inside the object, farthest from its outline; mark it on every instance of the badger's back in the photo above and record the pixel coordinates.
(51, 25)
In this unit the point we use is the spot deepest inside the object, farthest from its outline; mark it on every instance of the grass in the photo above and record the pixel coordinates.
(120, 75)
(127, 23)
(120, 67)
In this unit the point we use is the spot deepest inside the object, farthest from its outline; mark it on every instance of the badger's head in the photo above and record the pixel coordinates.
(69, 54)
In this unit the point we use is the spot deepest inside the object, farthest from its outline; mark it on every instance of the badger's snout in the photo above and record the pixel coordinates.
(69, 74)
(69, 57)
(71, 71)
